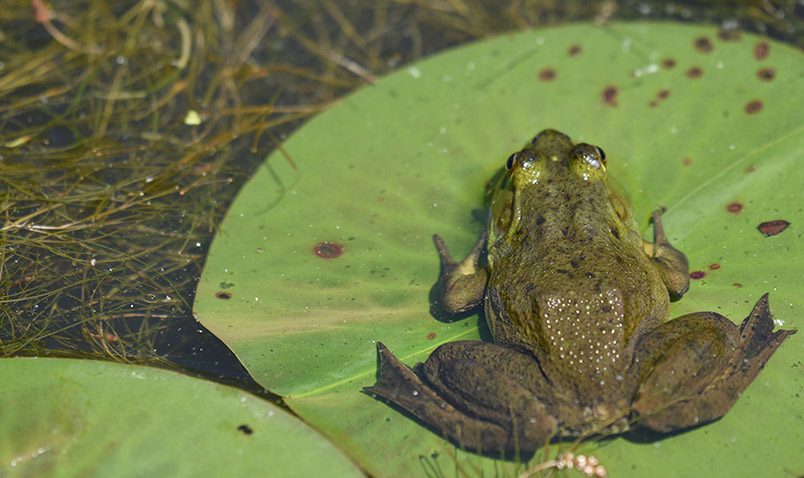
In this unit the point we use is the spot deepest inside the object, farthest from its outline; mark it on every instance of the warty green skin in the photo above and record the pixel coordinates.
(586, 286)
(577, 306)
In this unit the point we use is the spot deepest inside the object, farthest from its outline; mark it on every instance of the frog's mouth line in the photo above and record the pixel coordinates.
(505, 183)
(516, 214)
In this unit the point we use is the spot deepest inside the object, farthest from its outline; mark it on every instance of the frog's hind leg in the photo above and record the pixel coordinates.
(693, 369)
(474, 393)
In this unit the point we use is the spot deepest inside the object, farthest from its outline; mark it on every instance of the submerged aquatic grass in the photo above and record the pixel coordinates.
(109, 194)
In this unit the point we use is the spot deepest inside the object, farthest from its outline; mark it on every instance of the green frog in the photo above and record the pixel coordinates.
(577, 305)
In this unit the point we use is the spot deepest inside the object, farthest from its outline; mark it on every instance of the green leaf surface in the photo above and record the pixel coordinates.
(709, 128)
(66, 417)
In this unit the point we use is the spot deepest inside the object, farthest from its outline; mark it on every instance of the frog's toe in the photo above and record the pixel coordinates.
(398, 384)
(758, 341)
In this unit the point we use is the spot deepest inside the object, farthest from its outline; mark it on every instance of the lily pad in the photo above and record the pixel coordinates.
(318, 260)
(66, 417)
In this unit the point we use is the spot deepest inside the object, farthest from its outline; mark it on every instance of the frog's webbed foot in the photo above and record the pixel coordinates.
(473, 393)
(693, 368)
(671, 262)
(463, 283)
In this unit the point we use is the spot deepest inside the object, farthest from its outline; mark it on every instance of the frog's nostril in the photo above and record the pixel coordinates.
(543, 133)
(548, 136)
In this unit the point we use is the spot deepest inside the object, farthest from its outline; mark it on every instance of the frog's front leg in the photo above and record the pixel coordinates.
(479, 395)
(462, 284)
(672, 263)
(692, 369)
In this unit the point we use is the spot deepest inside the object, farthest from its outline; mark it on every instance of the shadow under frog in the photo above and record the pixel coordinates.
(576, 303)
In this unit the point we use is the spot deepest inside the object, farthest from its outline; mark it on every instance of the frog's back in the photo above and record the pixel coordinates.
(586, 290)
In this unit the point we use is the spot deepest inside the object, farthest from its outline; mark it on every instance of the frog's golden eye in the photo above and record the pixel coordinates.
(591, 156)
(510, 163)
(588, 162)
(601, 153)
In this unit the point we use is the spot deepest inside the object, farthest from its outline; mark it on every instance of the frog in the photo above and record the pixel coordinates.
(576, 303)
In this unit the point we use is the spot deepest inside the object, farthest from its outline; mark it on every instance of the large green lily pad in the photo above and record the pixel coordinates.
(66, 417)
(316, 263)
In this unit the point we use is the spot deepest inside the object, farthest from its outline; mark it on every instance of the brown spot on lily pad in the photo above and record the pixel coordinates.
(737, 285)
(697, 275)
(734, 207)
(761, 50)
(660, 96)
(713, 267)
(575, 50)
(753, 107)
(703, 44)
(609, 95)
(328, 250)
(223, 295)
(686, 161)
(547, 74)
(245, 429)
(766, 74)
(695, 72)
(668, 63)
(431, 335)
(772, 228)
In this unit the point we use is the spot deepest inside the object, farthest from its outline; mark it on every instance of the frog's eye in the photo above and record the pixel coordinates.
(510, 163)
(591, 156)
(588, 162)
(601, 153)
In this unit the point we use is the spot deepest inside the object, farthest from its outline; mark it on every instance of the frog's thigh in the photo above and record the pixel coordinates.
(692, 369)
(496, 384)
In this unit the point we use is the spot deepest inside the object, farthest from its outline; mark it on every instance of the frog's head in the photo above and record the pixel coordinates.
(547, 173)
(552, 153)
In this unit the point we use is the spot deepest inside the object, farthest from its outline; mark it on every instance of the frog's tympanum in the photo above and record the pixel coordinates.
(577, 305)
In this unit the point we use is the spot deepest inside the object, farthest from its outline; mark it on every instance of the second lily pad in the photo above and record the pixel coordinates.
(84, 418)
